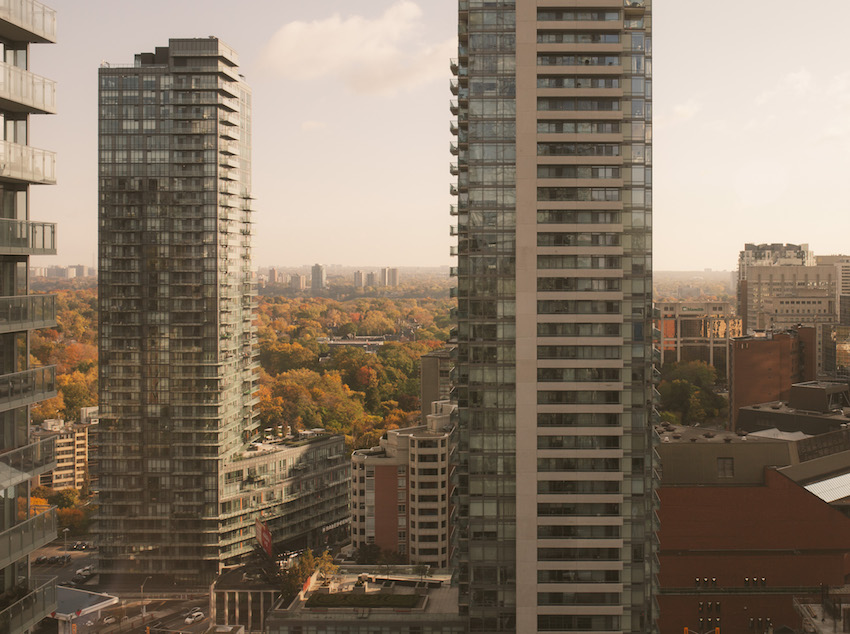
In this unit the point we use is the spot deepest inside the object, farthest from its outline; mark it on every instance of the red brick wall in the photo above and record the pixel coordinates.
(386, 507)
(779, 531)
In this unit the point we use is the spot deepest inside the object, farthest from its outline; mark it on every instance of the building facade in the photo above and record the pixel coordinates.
(72, 454)
(435, 383)
(24, 598)
(401, 491)
(177, 345)
(318, 279)
(554, 352)
(697, 331)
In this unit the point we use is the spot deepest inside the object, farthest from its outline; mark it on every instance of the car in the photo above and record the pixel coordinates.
(78, 579)
(65, 559)
(78, 546)
(194, 618)
(53, 560)
(41, 560)
(109, 620)
(191, 611)
(88, 571)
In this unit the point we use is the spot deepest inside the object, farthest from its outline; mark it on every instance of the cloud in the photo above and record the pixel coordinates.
(685, 111)
(381, 55)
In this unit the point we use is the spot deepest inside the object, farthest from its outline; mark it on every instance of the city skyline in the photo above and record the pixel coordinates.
(752, 193)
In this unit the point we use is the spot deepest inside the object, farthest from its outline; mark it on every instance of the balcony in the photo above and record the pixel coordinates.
(453, 86)
(453, 66)
(453, 170)
(453, 108)
(23, 237)
(27, 21)
(27, 462)
(27, 312)
(25, 164)
(25, 388)
(23, 91)
(27, 536)
(23, 614)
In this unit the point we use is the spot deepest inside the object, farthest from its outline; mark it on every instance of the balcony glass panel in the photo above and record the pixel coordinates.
(27, 536)
(30, 15)
(34, 93)
(24, 613)
(27, 164)
(27, 312)
(24, 388)
(24, 463)
(27, 238)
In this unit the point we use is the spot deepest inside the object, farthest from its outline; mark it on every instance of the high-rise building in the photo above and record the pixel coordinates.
(26, 598)
(392, 277)
(554, 350)
(319, 280)
(177, 346)
(359, 281)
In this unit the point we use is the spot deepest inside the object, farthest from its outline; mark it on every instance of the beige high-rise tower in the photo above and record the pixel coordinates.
(554, 344)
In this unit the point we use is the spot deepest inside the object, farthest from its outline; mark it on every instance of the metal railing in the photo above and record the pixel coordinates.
(30, 15)
(31, 608)
(25, 163)
(24, 87)
(30, 386)
(27, 536)
(24, 312)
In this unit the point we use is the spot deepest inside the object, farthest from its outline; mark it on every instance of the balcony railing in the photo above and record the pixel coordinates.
(25, 388)
(24, 237)
(23, 88)
(24, 463)
(27, 164)
(31, 16)
(27, 312)
(27, 536)
(23, 614)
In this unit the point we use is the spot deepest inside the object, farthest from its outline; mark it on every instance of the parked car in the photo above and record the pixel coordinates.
(78, 546)
(53, 560)
(109, 620)
(78, 579)
(65, 559)
(41, 560)
(194, 618)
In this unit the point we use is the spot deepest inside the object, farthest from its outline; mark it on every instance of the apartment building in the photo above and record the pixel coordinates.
(176, 296)
(24, 597)
(401, 491)
(554, 205)
(72, 454)
(697, 331)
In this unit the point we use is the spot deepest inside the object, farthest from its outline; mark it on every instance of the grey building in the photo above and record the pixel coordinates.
(554, 353)
(177, 347)
(24, 598)
(318, 279)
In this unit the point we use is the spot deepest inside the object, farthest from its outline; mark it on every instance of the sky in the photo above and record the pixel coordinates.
(351, 124)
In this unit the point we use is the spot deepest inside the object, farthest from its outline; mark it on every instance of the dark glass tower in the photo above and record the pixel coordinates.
(177, 355)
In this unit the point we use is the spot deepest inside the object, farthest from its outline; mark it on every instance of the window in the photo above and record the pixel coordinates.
(725, 467)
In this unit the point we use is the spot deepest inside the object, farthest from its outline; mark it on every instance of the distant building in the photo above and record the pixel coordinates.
(765, 365)
(697, 331)
(434, 378)
(318, 281)
(72, 453)
(359, 279)
(392, 277)
(401, 492)
(384, 279)
(298, 282)
(371, 279)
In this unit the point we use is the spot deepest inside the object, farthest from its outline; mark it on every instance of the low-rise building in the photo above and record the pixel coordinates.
(366, 604)
(72, 453)
(401, 491)
(812, 407)
(244, 595)
(697, 331)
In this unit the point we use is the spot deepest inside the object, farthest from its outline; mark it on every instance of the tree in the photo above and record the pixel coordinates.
(64, 498)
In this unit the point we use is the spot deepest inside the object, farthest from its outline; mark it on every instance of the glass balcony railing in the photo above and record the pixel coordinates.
(27, 312)
(31, 16)
(24, 237)
(27, 89)
(27, 462)
(23, 614)
(27, 164)
(25, 388)
(27, 536)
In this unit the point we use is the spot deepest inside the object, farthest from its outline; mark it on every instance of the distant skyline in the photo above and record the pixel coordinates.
(351, 124)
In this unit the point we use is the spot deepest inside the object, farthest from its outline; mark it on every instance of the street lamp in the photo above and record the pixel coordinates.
(65, 533)
(144, 613)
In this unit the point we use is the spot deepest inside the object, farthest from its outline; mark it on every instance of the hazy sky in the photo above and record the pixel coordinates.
(350, 143)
